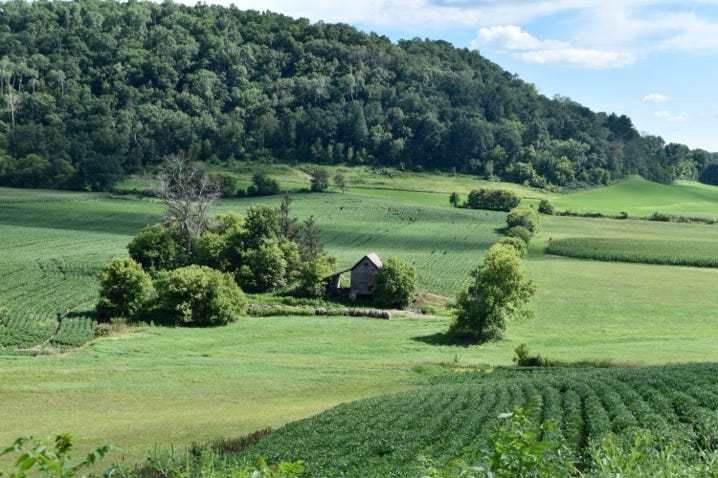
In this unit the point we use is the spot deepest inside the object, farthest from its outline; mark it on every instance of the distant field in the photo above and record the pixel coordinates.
(54, 244)
(639, 197)
(443, 243)
(678, 252)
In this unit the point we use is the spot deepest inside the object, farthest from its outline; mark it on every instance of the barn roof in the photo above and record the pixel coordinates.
(372, 256)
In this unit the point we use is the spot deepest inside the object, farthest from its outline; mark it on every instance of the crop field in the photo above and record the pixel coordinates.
(679, 252)
(443, 243)
(383, 436)
(54, 244)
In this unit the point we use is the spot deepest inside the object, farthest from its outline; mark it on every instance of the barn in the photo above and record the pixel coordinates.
(361, 278)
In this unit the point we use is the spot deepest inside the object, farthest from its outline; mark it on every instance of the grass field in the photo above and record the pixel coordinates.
(639, 197)
(158, 386)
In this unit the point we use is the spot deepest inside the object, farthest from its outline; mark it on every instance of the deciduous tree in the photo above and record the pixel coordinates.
(500, 292)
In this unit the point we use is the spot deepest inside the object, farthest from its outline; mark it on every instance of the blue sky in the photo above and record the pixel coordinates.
(655, 61)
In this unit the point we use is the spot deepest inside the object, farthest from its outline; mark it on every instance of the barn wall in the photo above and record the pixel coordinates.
(361, 277)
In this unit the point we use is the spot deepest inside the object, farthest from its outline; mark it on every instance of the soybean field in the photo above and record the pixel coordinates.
(53, 246)
(383, 436)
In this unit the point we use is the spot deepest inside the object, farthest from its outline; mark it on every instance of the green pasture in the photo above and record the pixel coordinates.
(641, 198)
(162, 386)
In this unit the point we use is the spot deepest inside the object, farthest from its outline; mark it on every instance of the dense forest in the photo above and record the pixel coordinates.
(93, 90)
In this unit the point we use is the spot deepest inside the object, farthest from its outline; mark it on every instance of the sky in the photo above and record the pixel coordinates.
(654, 61)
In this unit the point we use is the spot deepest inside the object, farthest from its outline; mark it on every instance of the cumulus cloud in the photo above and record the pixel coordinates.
(511, 38)
(655, 98)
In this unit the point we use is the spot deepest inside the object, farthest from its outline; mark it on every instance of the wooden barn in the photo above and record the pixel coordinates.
(361, 278)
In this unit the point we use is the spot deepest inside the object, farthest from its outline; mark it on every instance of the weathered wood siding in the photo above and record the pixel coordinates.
(362, 277)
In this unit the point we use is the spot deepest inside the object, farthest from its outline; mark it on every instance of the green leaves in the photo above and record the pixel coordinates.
(53, 462)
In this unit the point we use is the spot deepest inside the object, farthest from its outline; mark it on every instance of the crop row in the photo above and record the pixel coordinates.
(441, 419)
(678, 252)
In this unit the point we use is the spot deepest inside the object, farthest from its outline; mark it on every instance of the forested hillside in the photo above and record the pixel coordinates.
(92, 90)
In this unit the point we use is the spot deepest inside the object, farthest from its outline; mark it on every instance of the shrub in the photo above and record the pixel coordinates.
(524, 216)
(319, 180)
(199, 296)
(523, 359)
(226, 184)
(519, 232)
(545, 207)
(395, 283)
(156, 248)
(125, 289)
(264, 268)
(494, 199)
(53, 461)
(515, 242)
(312, 276)
(262, 185)
(659, 216)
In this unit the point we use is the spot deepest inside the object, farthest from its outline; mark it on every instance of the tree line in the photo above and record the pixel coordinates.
(93, 90)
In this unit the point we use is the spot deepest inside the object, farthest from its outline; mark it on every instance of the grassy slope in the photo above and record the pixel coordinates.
(174, 386)
(639, 197)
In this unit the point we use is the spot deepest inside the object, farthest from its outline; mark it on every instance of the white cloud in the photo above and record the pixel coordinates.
(655, 98)
(512, 38)
(671, 117)
(580, 57)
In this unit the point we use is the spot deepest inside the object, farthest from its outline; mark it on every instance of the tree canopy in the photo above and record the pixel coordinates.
(92, 90)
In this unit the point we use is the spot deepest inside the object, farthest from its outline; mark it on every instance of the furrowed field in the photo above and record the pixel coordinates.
(369, 437)
(160, 386)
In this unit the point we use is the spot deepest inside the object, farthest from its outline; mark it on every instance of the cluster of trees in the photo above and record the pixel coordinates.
(500, 290)
(492, 199)
(93, 90)
(191, 254)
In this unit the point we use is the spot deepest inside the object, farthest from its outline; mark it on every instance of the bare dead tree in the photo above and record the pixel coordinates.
(186, 192)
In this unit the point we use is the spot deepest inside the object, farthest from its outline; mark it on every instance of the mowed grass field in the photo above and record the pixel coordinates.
(639, 197)
(160, 386)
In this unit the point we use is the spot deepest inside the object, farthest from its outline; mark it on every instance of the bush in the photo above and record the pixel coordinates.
(515, 242)
(156, 248)
(395, 283)
(319, 180)
(199, 296)
(523, 359)
(125, 290)
(660, 216)
(519, 232)
(494, 199)
(545, 207)
(524, 216)
(262, 185)
(226, 184)
(264, 269)
(312, 276)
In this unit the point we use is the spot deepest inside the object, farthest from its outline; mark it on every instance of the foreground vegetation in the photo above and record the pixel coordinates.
(369, 437)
